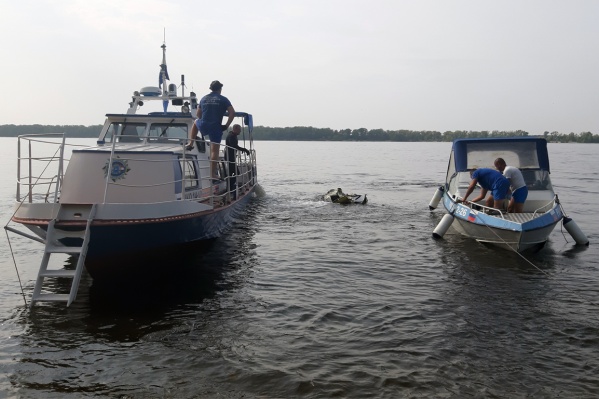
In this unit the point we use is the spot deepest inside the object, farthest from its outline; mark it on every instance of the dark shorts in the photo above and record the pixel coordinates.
(499, 192)
(215, 132)
(520, 195)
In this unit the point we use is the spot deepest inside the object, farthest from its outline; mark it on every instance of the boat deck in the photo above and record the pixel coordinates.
(520, 217)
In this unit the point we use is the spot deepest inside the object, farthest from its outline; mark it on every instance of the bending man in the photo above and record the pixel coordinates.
(489, 179)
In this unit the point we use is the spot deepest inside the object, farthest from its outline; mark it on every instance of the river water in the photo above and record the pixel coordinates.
(309, 299)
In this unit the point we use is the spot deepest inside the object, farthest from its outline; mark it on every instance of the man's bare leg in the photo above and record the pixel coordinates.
(214, 149)
(194, 135)
(517, 207)
(498, 204)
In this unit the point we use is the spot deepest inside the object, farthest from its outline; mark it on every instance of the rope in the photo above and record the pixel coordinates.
(22, 201)
(565, 215)
(561, 229)
(532, 264)
(593, 370)
(17, 270)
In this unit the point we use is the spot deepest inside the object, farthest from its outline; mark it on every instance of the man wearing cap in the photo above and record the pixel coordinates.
(210, 114)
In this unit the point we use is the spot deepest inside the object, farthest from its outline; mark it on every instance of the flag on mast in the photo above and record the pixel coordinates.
(163, 76)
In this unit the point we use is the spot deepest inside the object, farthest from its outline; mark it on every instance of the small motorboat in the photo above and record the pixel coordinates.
(517, 231)
(337, 196)
(140, 188)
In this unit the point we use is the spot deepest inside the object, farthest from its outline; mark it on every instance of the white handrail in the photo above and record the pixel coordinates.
(547, 205)
(244, 166)
(40, 180)
(489, 209)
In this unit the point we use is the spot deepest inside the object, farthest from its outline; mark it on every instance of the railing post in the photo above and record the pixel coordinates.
(18, 170)
(30, 175)
(60, 170)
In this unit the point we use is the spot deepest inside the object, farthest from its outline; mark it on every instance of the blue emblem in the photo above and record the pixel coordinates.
(118, 170)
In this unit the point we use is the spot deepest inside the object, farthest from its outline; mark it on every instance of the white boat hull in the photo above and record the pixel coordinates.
(519, 232)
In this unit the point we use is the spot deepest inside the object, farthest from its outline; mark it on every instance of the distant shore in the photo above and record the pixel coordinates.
(308, 133)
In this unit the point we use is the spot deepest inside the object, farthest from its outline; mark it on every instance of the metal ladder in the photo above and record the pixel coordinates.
(53, 246)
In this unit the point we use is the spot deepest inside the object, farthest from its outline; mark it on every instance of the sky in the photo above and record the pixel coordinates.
(441, 65)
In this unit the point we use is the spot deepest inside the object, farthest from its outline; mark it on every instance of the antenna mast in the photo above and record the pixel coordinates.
(163, 71)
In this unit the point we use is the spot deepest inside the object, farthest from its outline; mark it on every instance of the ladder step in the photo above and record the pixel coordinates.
(62, 249)
(51, 298)
(65, 241)
(58, 233)
(58, 273)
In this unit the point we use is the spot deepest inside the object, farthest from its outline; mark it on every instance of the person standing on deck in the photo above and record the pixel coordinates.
(233, 145)
(517, 185)
(210, 114)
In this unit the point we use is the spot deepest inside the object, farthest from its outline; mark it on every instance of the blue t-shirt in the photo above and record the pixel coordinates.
(213, 107)
(490, 179)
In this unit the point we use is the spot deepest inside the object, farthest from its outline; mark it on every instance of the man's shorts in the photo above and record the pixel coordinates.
(215, 132)
(500, 191)
(520, 195)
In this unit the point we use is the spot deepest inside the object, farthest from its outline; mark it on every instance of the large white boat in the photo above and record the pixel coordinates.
(139, 189)
(517, 231)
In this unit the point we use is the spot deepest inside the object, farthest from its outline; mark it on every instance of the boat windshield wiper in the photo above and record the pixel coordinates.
(165, 128)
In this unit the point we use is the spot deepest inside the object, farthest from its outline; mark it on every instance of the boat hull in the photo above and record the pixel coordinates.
(515, 232)
(114, 242)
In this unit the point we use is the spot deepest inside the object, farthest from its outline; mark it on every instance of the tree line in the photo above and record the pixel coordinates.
(308, 133)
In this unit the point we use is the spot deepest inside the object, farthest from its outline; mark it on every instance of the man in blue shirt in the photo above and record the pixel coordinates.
(490, 180)
(210, 114)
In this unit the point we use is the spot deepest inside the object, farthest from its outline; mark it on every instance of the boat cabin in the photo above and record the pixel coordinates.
(159, 127)
(529, 154)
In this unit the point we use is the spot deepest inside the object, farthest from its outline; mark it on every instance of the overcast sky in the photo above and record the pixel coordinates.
(391, 64)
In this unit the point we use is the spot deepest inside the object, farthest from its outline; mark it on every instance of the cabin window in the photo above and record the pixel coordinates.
(536, 179)
(519, 154)
(190, 174)
(167, 132)
(126, 132)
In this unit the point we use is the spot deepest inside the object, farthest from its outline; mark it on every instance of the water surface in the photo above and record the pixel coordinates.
(309, 299)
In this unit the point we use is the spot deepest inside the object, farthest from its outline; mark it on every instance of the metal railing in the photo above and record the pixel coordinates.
(48, 177)
(548, 206)
(485, 209)
(41, 181)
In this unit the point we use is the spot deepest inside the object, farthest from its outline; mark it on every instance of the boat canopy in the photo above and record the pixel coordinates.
(247, 119)
(521, 152)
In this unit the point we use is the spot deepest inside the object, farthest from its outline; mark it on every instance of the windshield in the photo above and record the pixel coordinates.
(125, 132)
(166, 131)
(522, 155)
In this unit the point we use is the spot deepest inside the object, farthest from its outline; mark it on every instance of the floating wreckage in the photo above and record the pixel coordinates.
(337, 196)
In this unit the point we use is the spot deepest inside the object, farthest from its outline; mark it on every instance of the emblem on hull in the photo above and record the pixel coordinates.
(118, 170)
